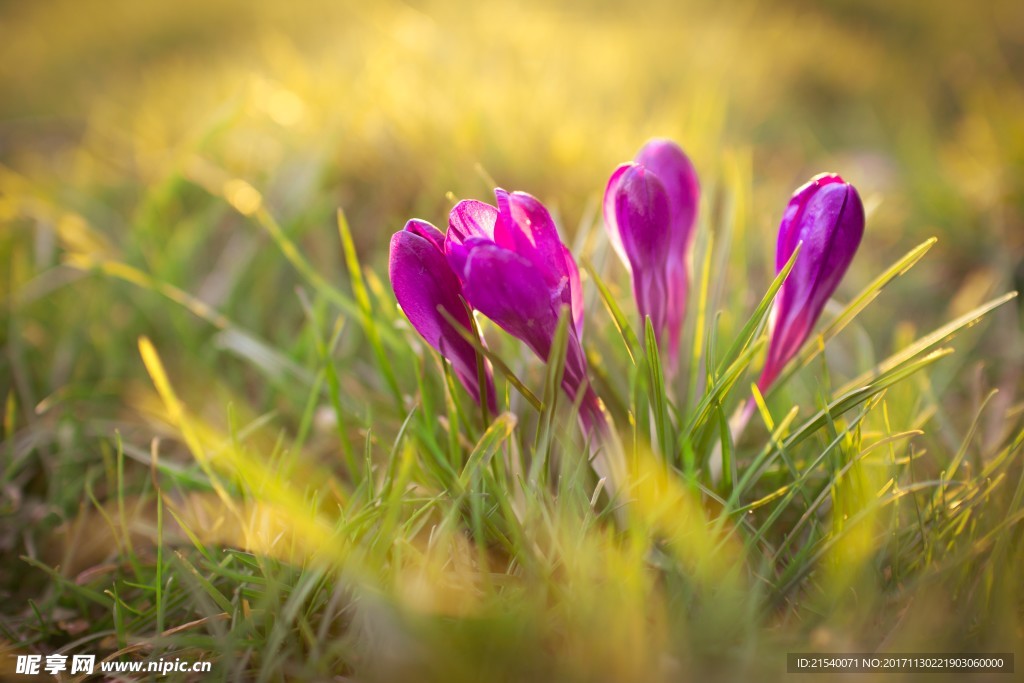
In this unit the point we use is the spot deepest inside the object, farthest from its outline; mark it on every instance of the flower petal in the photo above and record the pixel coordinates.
(792, 218)
(652, 294)
(427, 231)
(642, 214)
(830, 229)
(423, 282)
(638, 214)
(506, 288)
(471, 218)
(526, 227)
(666, 160)
(514, 268)
(611, 223)
(575, 291)
(458, 252)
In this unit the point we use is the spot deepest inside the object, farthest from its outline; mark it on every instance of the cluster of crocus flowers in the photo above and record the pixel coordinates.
(507, 262)
(650, 209)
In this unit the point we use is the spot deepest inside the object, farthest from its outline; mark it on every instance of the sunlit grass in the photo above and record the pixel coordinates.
(222, 440)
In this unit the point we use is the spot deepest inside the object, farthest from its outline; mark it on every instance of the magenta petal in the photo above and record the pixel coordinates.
(427, 231)
(642, 214)
(526, 227)
(575, 291)
(652, 295)
(837, 250)
(829, 241)
(458, 253)
(678, 283)
(506, 288)
(514, 269)
(792, 218)
(422, 279)
(666, 160)
(471, 218)
(611, 223)
(651, 231)
(423, 282)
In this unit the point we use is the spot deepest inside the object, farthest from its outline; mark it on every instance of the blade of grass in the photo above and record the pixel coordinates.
(758, 318)
(701, 319)
(657, 391)
(366, 314)
(950, 470)
(554, 372)
(622, 326)
(929, 341)
(84, 592)
(854, 308)
(855, 397)
(500, 430)
(495, 361)
(722, 387)
(232, 336)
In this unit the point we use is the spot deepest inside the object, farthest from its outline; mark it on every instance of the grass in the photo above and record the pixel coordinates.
(222, 441)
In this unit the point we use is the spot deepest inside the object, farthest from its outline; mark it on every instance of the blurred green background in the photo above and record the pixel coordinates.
(127, 131)
(384, 109)
(131, 132)
(124, 126)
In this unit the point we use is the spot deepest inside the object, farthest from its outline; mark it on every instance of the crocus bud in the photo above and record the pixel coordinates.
(650, 209)
(826, 218)
(515, 270)
(423, 282)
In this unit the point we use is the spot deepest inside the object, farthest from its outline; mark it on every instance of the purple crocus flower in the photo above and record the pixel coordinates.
(650, 209)
(825, 216)
(515, 270)
(423, 281)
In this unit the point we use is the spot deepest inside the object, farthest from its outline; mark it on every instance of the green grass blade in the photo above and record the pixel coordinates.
(499, 431)
(657, 390)
(204, 583)
(89, 594)
(554, 372)
(496, 362)
(721, 387)
(854, 308)
(291, 252)
(701, 320)
(367, 316)
(929, 341)
(622, 326)
(854, 397)
(759, 316)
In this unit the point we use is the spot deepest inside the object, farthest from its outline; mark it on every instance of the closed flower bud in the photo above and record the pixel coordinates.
(650, 210)
(826, 218)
